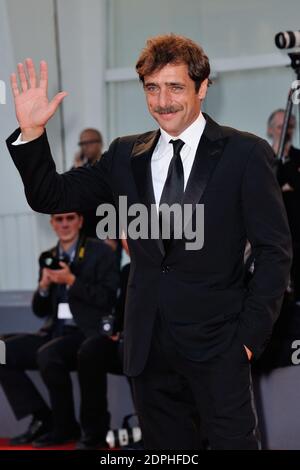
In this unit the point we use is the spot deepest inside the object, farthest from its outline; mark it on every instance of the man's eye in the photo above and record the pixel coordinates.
(151, 88)
(177, 88)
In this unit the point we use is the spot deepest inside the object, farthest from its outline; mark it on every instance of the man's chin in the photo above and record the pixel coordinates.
(66, 238)
(168, 124)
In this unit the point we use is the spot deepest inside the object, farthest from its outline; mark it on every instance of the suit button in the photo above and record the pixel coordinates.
(165, 269)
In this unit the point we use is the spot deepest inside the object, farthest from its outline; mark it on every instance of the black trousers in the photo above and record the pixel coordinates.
(97, 356)
(179, 400)
(54, 358)
(92, 357)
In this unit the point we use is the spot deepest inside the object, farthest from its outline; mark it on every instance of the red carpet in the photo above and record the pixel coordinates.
(5, 446)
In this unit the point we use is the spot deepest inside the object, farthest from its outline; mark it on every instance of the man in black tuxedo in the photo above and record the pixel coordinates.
(191, 327)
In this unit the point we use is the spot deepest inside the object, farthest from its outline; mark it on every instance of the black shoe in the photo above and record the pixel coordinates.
(91, 443)
(53, 439)
(134, 446)
(36, 429)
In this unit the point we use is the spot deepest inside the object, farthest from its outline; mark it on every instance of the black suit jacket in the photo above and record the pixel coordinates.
(200, 293)
(93, 293)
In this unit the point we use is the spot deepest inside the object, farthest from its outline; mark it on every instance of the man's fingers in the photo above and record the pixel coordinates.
(44, 75)
(53, 105)
(63, 265)
(31, 73)
(22, 76)
(14, 85)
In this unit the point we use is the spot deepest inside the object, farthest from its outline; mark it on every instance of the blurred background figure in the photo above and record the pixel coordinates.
(91, 147)
(288, 175)
(77, 288)
(101, 354)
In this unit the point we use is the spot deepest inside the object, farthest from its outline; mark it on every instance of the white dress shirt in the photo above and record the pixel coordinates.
(19, 141)
(163, 154)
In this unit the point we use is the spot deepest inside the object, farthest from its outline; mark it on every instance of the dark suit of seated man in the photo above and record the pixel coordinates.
(100, 355)
(73, 297)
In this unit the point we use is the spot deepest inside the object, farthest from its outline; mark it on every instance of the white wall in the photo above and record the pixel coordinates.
(26, 29)
(75, 54)
(82, 43)
(230, 29)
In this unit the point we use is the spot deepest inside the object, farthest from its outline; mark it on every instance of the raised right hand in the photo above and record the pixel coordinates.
(33, 109)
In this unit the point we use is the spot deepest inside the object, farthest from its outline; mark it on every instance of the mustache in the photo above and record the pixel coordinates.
(167, 109)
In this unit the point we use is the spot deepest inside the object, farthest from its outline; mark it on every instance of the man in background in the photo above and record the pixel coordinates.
(91, 146)
(77, 287)
(288, 175)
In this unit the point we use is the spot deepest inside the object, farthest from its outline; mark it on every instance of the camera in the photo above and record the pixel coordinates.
(107, 325)
(48, 260)
(287, 39)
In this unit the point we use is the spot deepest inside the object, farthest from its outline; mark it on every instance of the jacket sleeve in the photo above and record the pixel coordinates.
(268, 232)
(289, 173)
(42, 306)
(100, 290)
(47, 191)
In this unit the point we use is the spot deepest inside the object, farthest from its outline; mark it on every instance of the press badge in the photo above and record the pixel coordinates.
(64, 312)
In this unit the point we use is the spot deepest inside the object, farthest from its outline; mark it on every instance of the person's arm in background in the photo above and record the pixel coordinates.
(289, 174)
(46, 190)
(268, 233)
(42, 299)
(121, 300)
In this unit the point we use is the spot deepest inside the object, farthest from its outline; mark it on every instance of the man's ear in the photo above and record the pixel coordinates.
(203, 89)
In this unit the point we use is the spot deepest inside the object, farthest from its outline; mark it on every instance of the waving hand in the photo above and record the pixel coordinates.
(33, 109)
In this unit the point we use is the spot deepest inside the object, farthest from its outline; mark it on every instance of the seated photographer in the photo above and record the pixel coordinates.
(99, 355)
(77, 287)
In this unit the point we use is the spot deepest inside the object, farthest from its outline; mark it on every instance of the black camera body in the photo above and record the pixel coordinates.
(48, 260)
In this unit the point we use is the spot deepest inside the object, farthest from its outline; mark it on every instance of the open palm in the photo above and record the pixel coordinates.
(33, 109)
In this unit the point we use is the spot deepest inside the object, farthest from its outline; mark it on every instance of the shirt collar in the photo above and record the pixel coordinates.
(190, 136)
(70, 252)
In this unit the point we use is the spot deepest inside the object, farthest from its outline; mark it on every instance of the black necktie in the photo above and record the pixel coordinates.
(174, 186)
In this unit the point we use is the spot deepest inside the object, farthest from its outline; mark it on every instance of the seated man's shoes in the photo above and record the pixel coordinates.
(91, 443)
(36, 429)
(134, 446)
(54, 439)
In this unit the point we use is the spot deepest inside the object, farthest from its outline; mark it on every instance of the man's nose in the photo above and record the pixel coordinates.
(164, 98)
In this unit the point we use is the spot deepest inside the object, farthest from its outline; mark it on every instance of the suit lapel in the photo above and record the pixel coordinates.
(208, 154)
(141, 169)
(141, 166)
(206, 159)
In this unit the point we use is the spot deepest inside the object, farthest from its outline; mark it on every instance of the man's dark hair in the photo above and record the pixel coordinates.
(173, 49)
